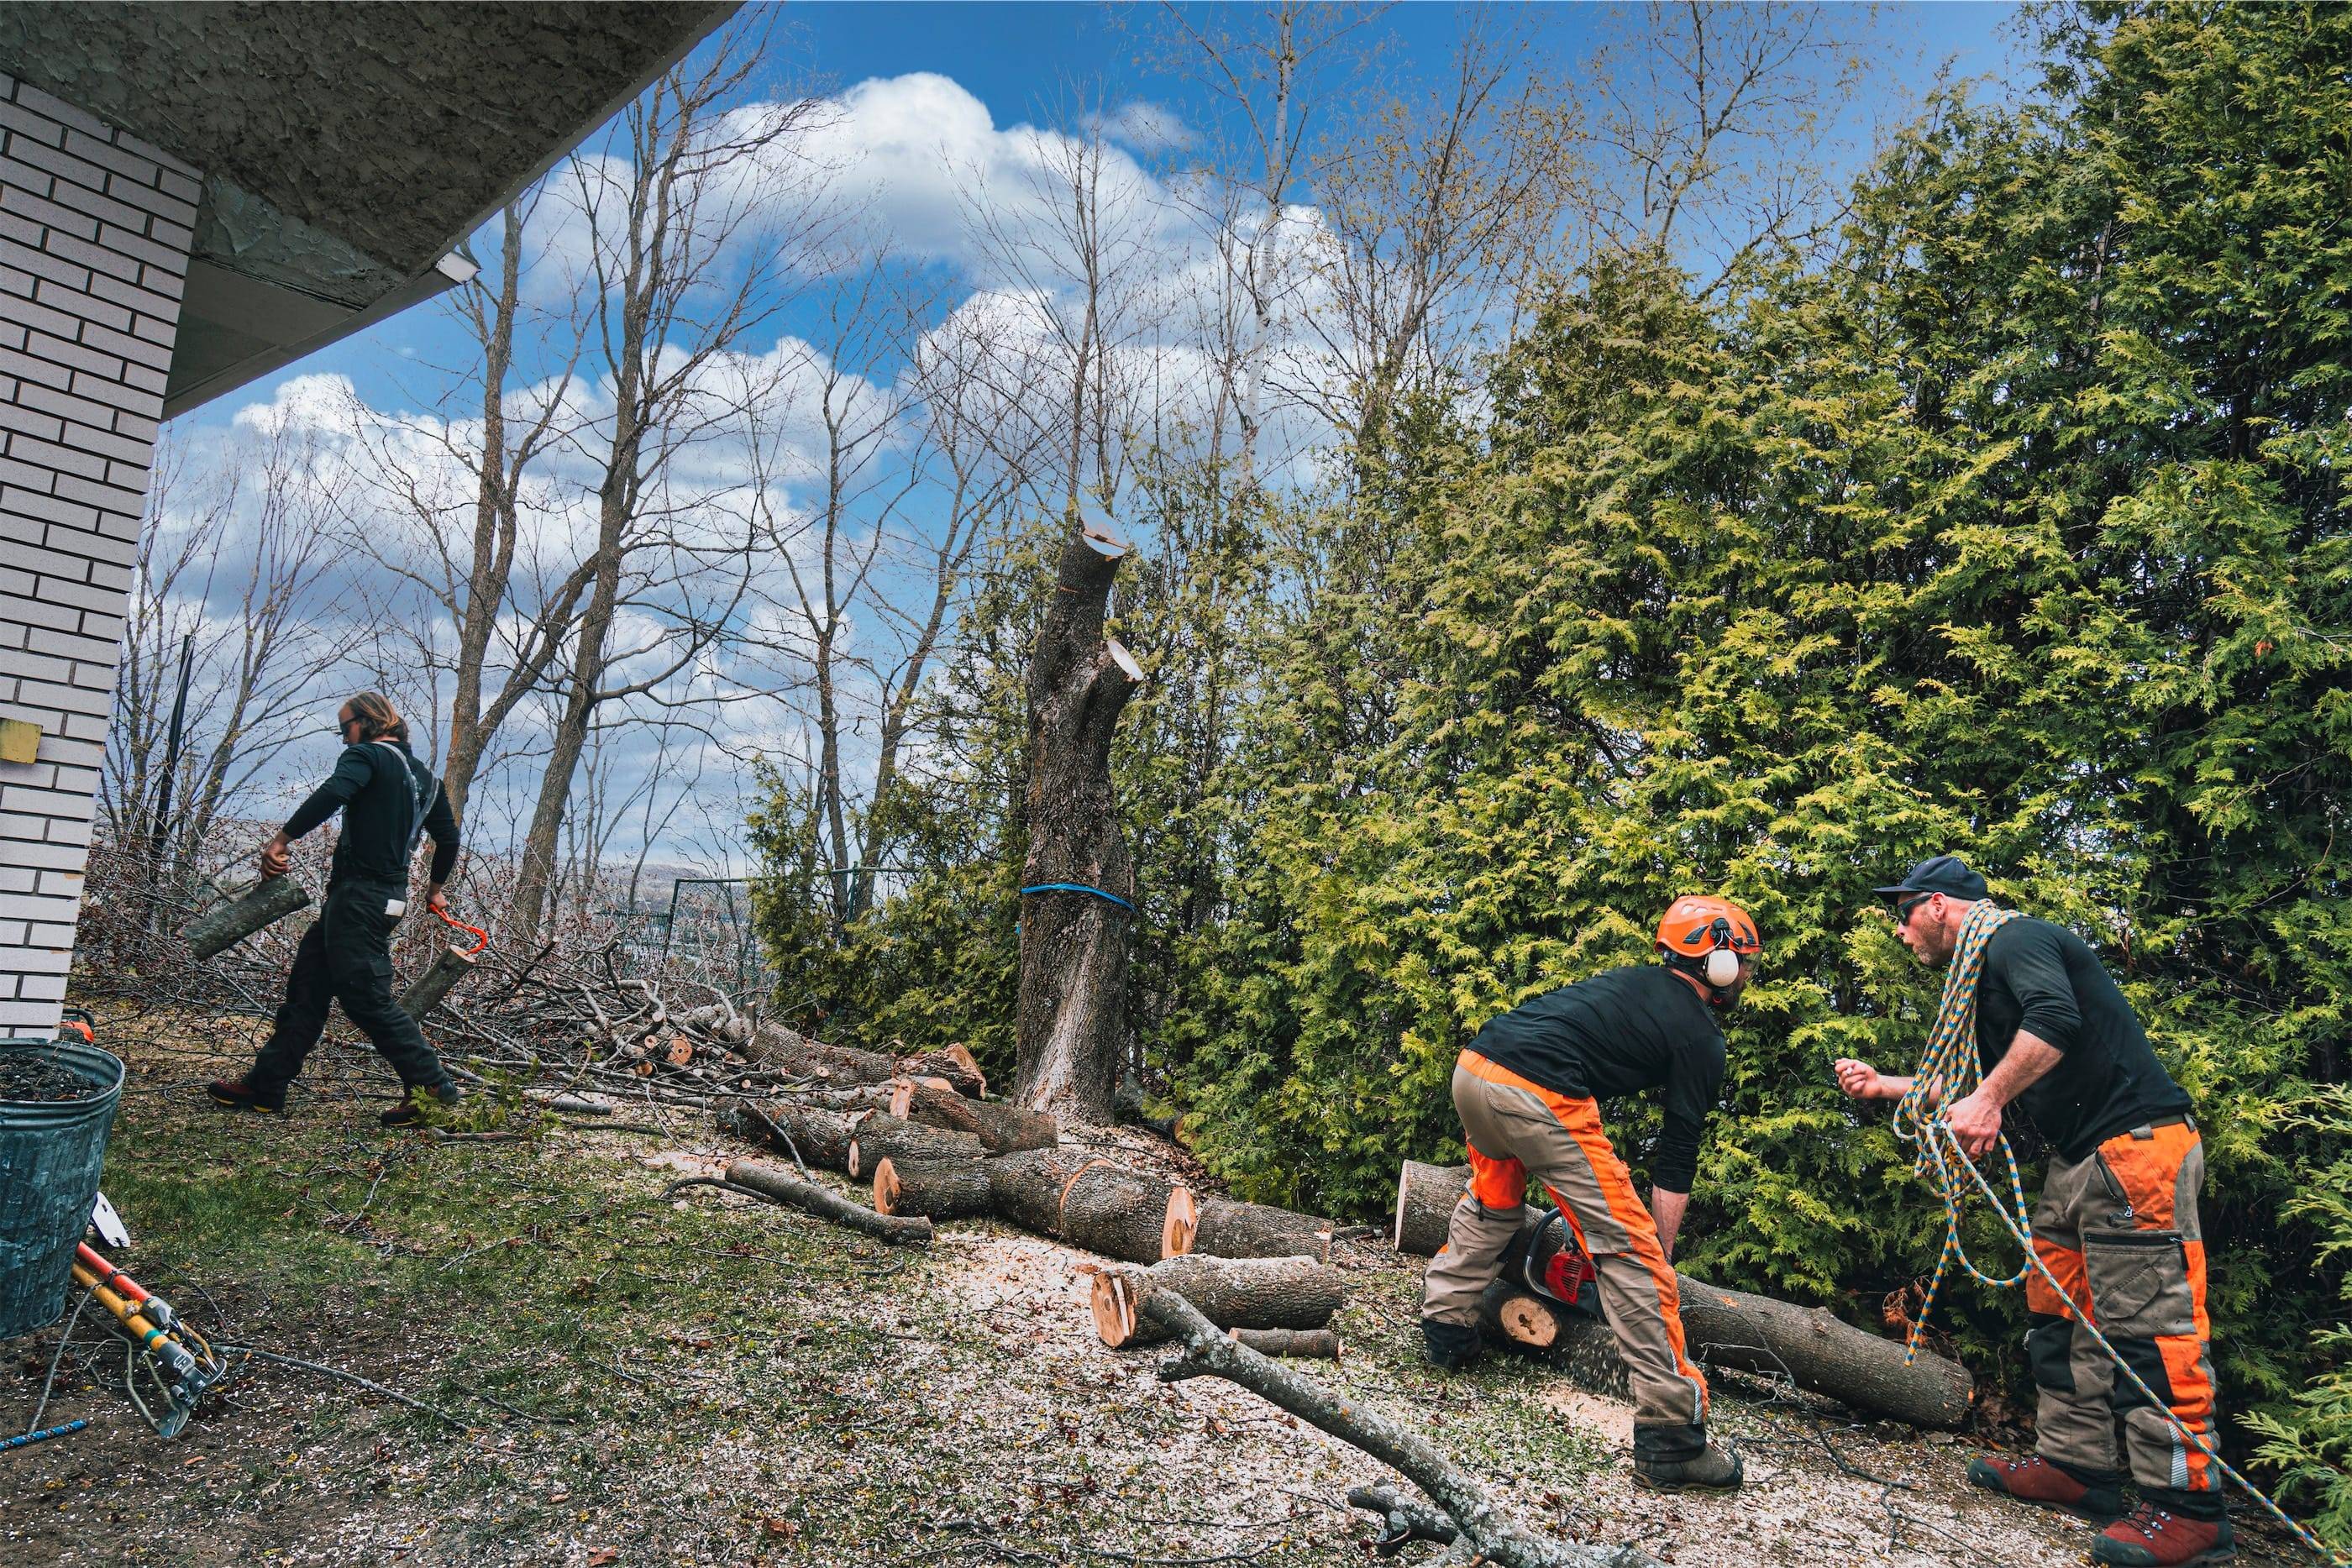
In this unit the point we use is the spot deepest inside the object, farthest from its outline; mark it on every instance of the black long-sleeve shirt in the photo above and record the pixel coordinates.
(2046, 980)
(375, 785)
(1620, 1032)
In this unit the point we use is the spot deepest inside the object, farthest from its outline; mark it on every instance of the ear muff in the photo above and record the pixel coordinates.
(1722, 967)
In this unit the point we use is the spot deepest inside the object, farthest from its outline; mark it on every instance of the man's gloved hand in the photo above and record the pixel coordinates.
(434, 902)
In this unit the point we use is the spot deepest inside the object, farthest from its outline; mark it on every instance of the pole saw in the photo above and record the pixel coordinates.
(167, 1365)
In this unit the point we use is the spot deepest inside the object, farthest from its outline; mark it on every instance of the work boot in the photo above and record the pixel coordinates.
(1452, 1346)
(408, 1113)
(2153, 1537)
(2036, 1480)
(1671, 1456)
(238, 1094)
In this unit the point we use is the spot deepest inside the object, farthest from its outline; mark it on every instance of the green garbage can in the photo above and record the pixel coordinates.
(57, 1106)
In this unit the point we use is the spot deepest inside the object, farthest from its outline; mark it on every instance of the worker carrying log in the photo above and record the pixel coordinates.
(389, 800)
(2115, 1223)
(1527, 1090)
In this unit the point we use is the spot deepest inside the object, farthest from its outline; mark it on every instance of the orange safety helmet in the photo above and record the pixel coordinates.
(1696, 928)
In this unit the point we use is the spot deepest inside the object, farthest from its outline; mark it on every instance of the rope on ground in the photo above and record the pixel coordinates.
(1949, 1072)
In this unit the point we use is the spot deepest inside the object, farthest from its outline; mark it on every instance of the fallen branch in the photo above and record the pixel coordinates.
(825, 1204)
(1493, 1537)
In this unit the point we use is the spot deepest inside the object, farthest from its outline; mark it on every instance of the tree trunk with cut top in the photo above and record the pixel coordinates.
(821, 1138)
(1426, 1194)
(1028, 1187)
(878, 1136)
(1072, 1020)
(939, 1190)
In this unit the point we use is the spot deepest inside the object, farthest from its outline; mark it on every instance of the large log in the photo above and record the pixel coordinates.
(1231, 1229)
(1027, 1188)
(943, 1189)
(1001, 1128)
(821, 1138)
(771, 1045)
(1128, 1215)
(780, 1186)
(1738, 1329)
(1231, 1292)
(425, 992)
(1425, 1206)
(878, 1136)
(223, 925)
(1491, 1535)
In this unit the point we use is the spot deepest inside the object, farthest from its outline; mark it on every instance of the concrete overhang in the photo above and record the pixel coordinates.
(344, 149)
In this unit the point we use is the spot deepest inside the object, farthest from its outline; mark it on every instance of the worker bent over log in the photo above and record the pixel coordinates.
(1527, 1091)
(389, 800)
(2116, 1225)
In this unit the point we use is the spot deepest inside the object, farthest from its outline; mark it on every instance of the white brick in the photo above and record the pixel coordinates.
(43, 987)
(23, 906)
(33, 1020)
(38, 936)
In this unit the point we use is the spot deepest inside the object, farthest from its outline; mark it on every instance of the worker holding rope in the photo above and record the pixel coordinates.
(389, 800)
(2115, 1281)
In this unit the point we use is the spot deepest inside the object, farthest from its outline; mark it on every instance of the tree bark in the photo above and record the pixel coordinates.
(1072, 1020)
(879, 1138)
(786, 1051)
(1231, 1229)
(1231, 1292)
(1000, 1127)
(223, 928)
(941, 1189)
(1028, 1187)
(1127, 1215)
(955, 1065)
(821, 1138)
(1496, 1537)
(1306, 1345)
(440, 978)
(826, 1204)
(1425, 1206)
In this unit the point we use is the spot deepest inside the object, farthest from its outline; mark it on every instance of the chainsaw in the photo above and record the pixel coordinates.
(1552, 1263)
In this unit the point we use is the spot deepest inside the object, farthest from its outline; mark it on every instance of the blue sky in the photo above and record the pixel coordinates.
(1019, 59)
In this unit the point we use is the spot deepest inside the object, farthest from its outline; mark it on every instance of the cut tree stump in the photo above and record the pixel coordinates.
(1305, 1345)
(820, 1137)
(1127, 1215)
(1001, 1128)
(1028, 1187)
(1426, 1194)
(944, 1189)
(1231, 1292)
(826, 1204)
(1231, 1229)
(880, 1137)
(1490, 1534)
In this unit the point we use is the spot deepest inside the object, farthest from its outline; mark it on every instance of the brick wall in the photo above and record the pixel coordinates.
(94, 236)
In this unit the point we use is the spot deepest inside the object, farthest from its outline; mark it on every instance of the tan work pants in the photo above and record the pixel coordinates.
(1516, 1129)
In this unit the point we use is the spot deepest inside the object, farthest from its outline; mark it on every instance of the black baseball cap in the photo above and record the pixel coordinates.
(1943, 874)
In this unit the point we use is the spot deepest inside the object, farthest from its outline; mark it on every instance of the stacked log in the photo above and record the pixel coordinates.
(955, 1067)
(821, 1138)
(1425, 1206)
(949, 1189)
(878, 1135)
(1231, 1230)
(1231, 1292)
(1027, 1188)
(1001, 1127)
(771, 1045)
(1128, 1215)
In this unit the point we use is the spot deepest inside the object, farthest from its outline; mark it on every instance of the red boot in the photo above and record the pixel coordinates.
(2153, 1537)
(2036, 1480)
